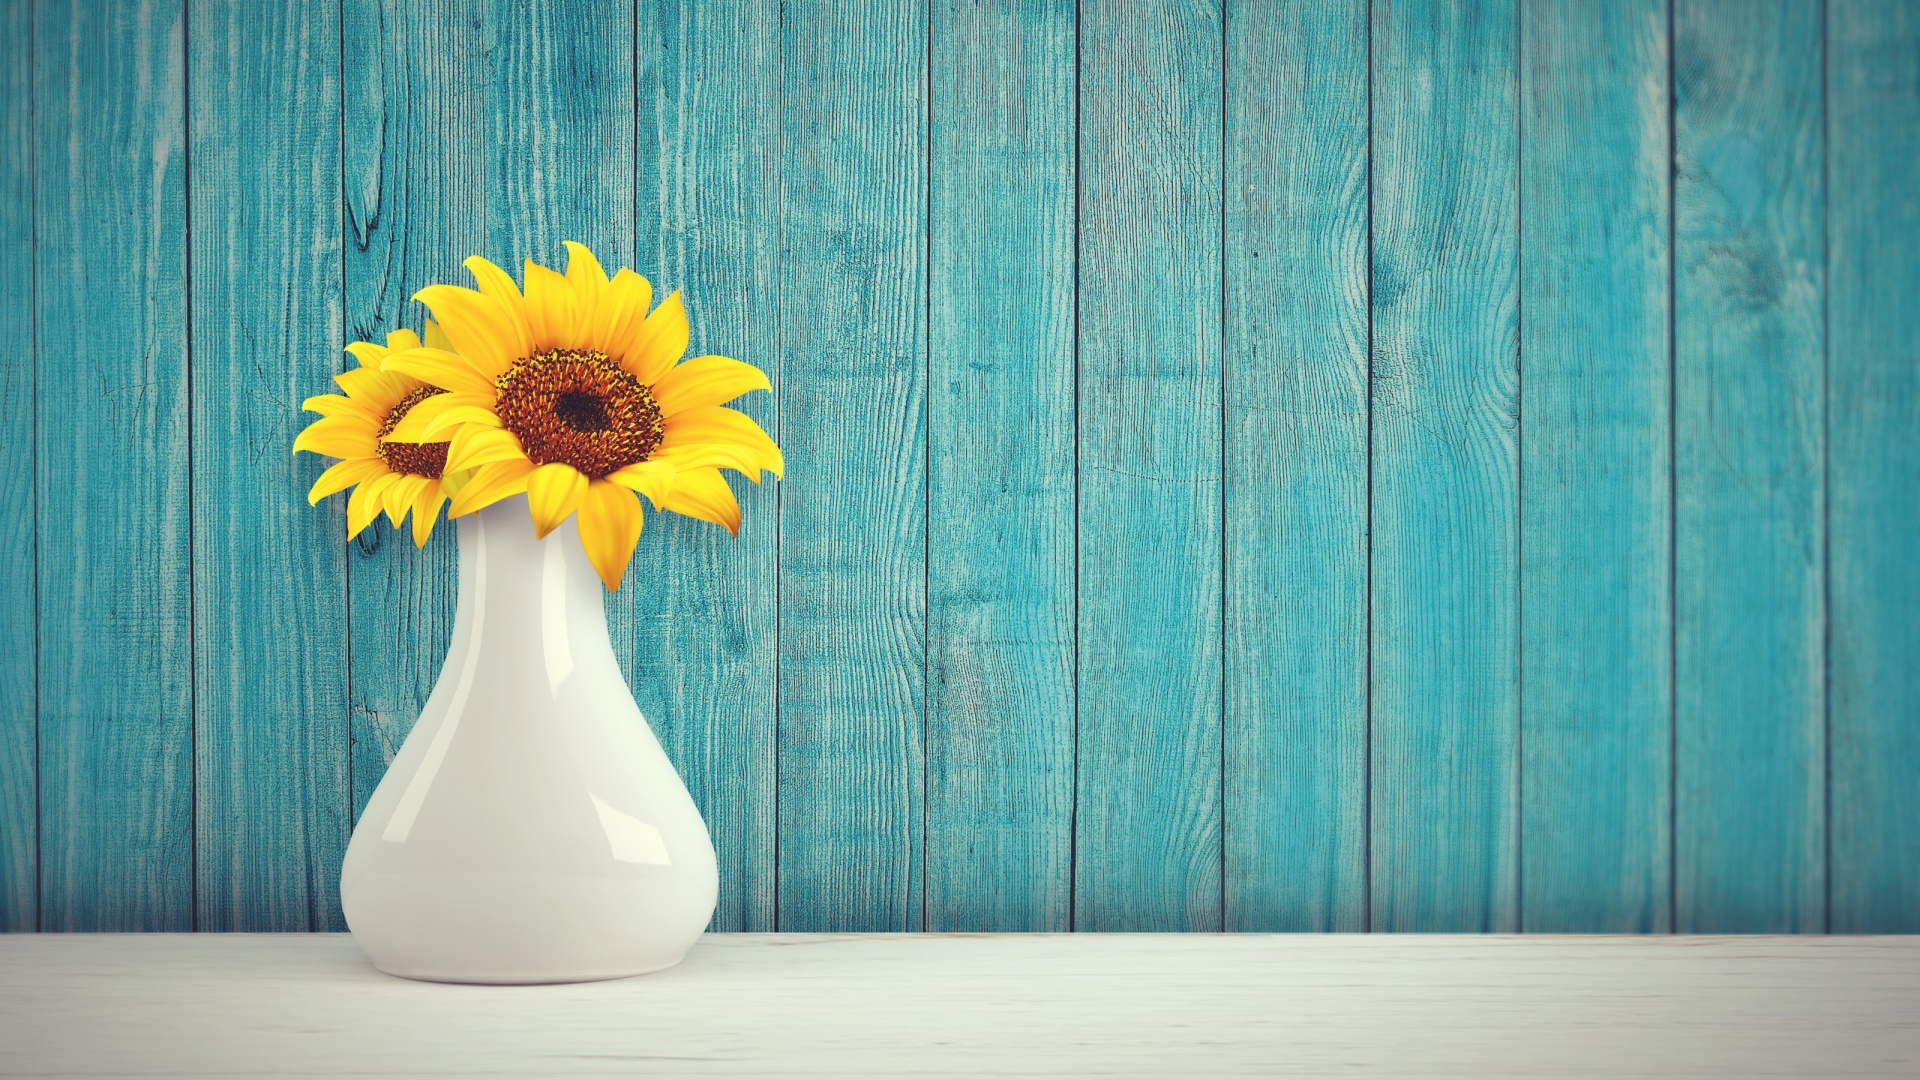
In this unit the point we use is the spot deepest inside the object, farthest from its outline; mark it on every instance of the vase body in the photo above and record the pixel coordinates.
(531, 829)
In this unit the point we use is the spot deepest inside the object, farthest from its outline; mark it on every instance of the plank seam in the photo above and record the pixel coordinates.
(1519, 469)
(779, 427)
(1224, 648)
(1366, 801)
(1673, 496)
(1826, 481)
(193, 593)
(1073, 812)
(346, 330)
(33, 401)
(926, 436)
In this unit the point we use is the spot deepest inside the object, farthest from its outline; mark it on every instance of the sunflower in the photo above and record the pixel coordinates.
(575, 394)
(385, 474)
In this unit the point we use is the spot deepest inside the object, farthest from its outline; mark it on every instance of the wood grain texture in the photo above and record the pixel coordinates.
(1873, 419)
(1749, 450)
(1595, 472)
(1295, 368)
(852, 401)
(412, 110)
(19, 713)
(560, 132)
(269, 583)
(112, 537)
(1150, 653)
(1000, 547)
(1445, 464)
(1054, 1005)
(701, 659)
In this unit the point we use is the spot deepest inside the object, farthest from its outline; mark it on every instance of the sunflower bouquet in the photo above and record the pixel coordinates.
(570, 388)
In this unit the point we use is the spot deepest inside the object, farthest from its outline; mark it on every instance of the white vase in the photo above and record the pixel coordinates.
(530, 830)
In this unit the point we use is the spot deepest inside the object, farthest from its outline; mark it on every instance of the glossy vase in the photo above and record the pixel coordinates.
(531, 829)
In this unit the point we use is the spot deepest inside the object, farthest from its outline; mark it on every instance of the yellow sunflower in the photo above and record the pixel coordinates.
(398, 477)
(575, 394)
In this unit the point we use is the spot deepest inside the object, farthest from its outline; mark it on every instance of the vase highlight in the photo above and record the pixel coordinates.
(531, 829)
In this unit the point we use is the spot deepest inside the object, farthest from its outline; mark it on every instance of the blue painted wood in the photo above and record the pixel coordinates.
(1873, 253)
(873, 202)
(1000, 545)
(1595, 473)
(560, 131)
(269, 582)
(852, 402)
(112, 535)
(1749, 455)
(1150, 655)
(1295, 369)
(19, 809)
(700, 657)
(412, 109)
(1445, 465)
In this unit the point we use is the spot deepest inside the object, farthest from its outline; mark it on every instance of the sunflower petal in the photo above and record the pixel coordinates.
(553, 308)
(448, 371)
(718, 424)
(704, 494)
(554, 491)
(401, 340)
(364, 504)
(447, 420)
(426, 511)
(589, 284)
(337, 436)
(712, 455)
(622, 308)
(703, 381)
(342, 475)
(436, 338)
(397, 498)
(367, 353)
(480, 328)
(654, 479)
(658, 342)
(610, 522)
(335, 405)
(417, 425)
(474, 446)
(489, 484)
(497, 286)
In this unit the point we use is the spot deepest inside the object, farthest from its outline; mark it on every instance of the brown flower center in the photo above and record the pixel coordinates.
(580, 408)
(419, 459)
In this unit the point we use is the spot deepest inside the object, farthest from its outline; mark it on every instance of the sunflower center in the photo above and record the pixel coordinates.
(580, 408)
(419, 459)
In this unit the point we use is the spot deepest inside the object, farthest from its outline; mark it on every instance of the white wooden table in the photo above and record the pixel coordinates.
(990, 1005)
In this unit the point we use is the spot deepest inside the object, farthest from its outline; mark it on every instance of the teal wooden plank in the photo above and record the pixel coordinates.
(19, 804)
(413, 110)
(1000, 480)
(1295, 369)
(1150, 654)
(270, 667)
(1596, 710)
(112, 536)
(1873, 252)
(701, 657)
(852, 406)
(1445, 464)
(1749, 546)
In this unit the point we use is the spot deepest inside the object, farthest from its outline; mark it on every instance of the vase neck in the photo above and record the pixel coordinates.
(537, 601)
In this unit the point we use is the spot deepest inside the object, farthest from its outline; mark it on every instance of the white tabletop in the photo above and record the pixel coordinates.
(988, 1005)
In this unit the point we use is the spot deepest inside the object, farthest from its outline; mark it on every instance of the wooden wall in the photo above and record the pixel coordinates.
(1314, 465)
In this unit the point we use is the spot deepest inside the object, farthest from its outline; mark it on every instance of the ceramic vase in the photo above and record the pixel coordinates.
(531, 829)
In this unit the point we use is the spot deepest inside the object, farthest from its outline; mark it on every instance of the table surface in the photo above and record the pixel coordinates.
(930, 1005)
